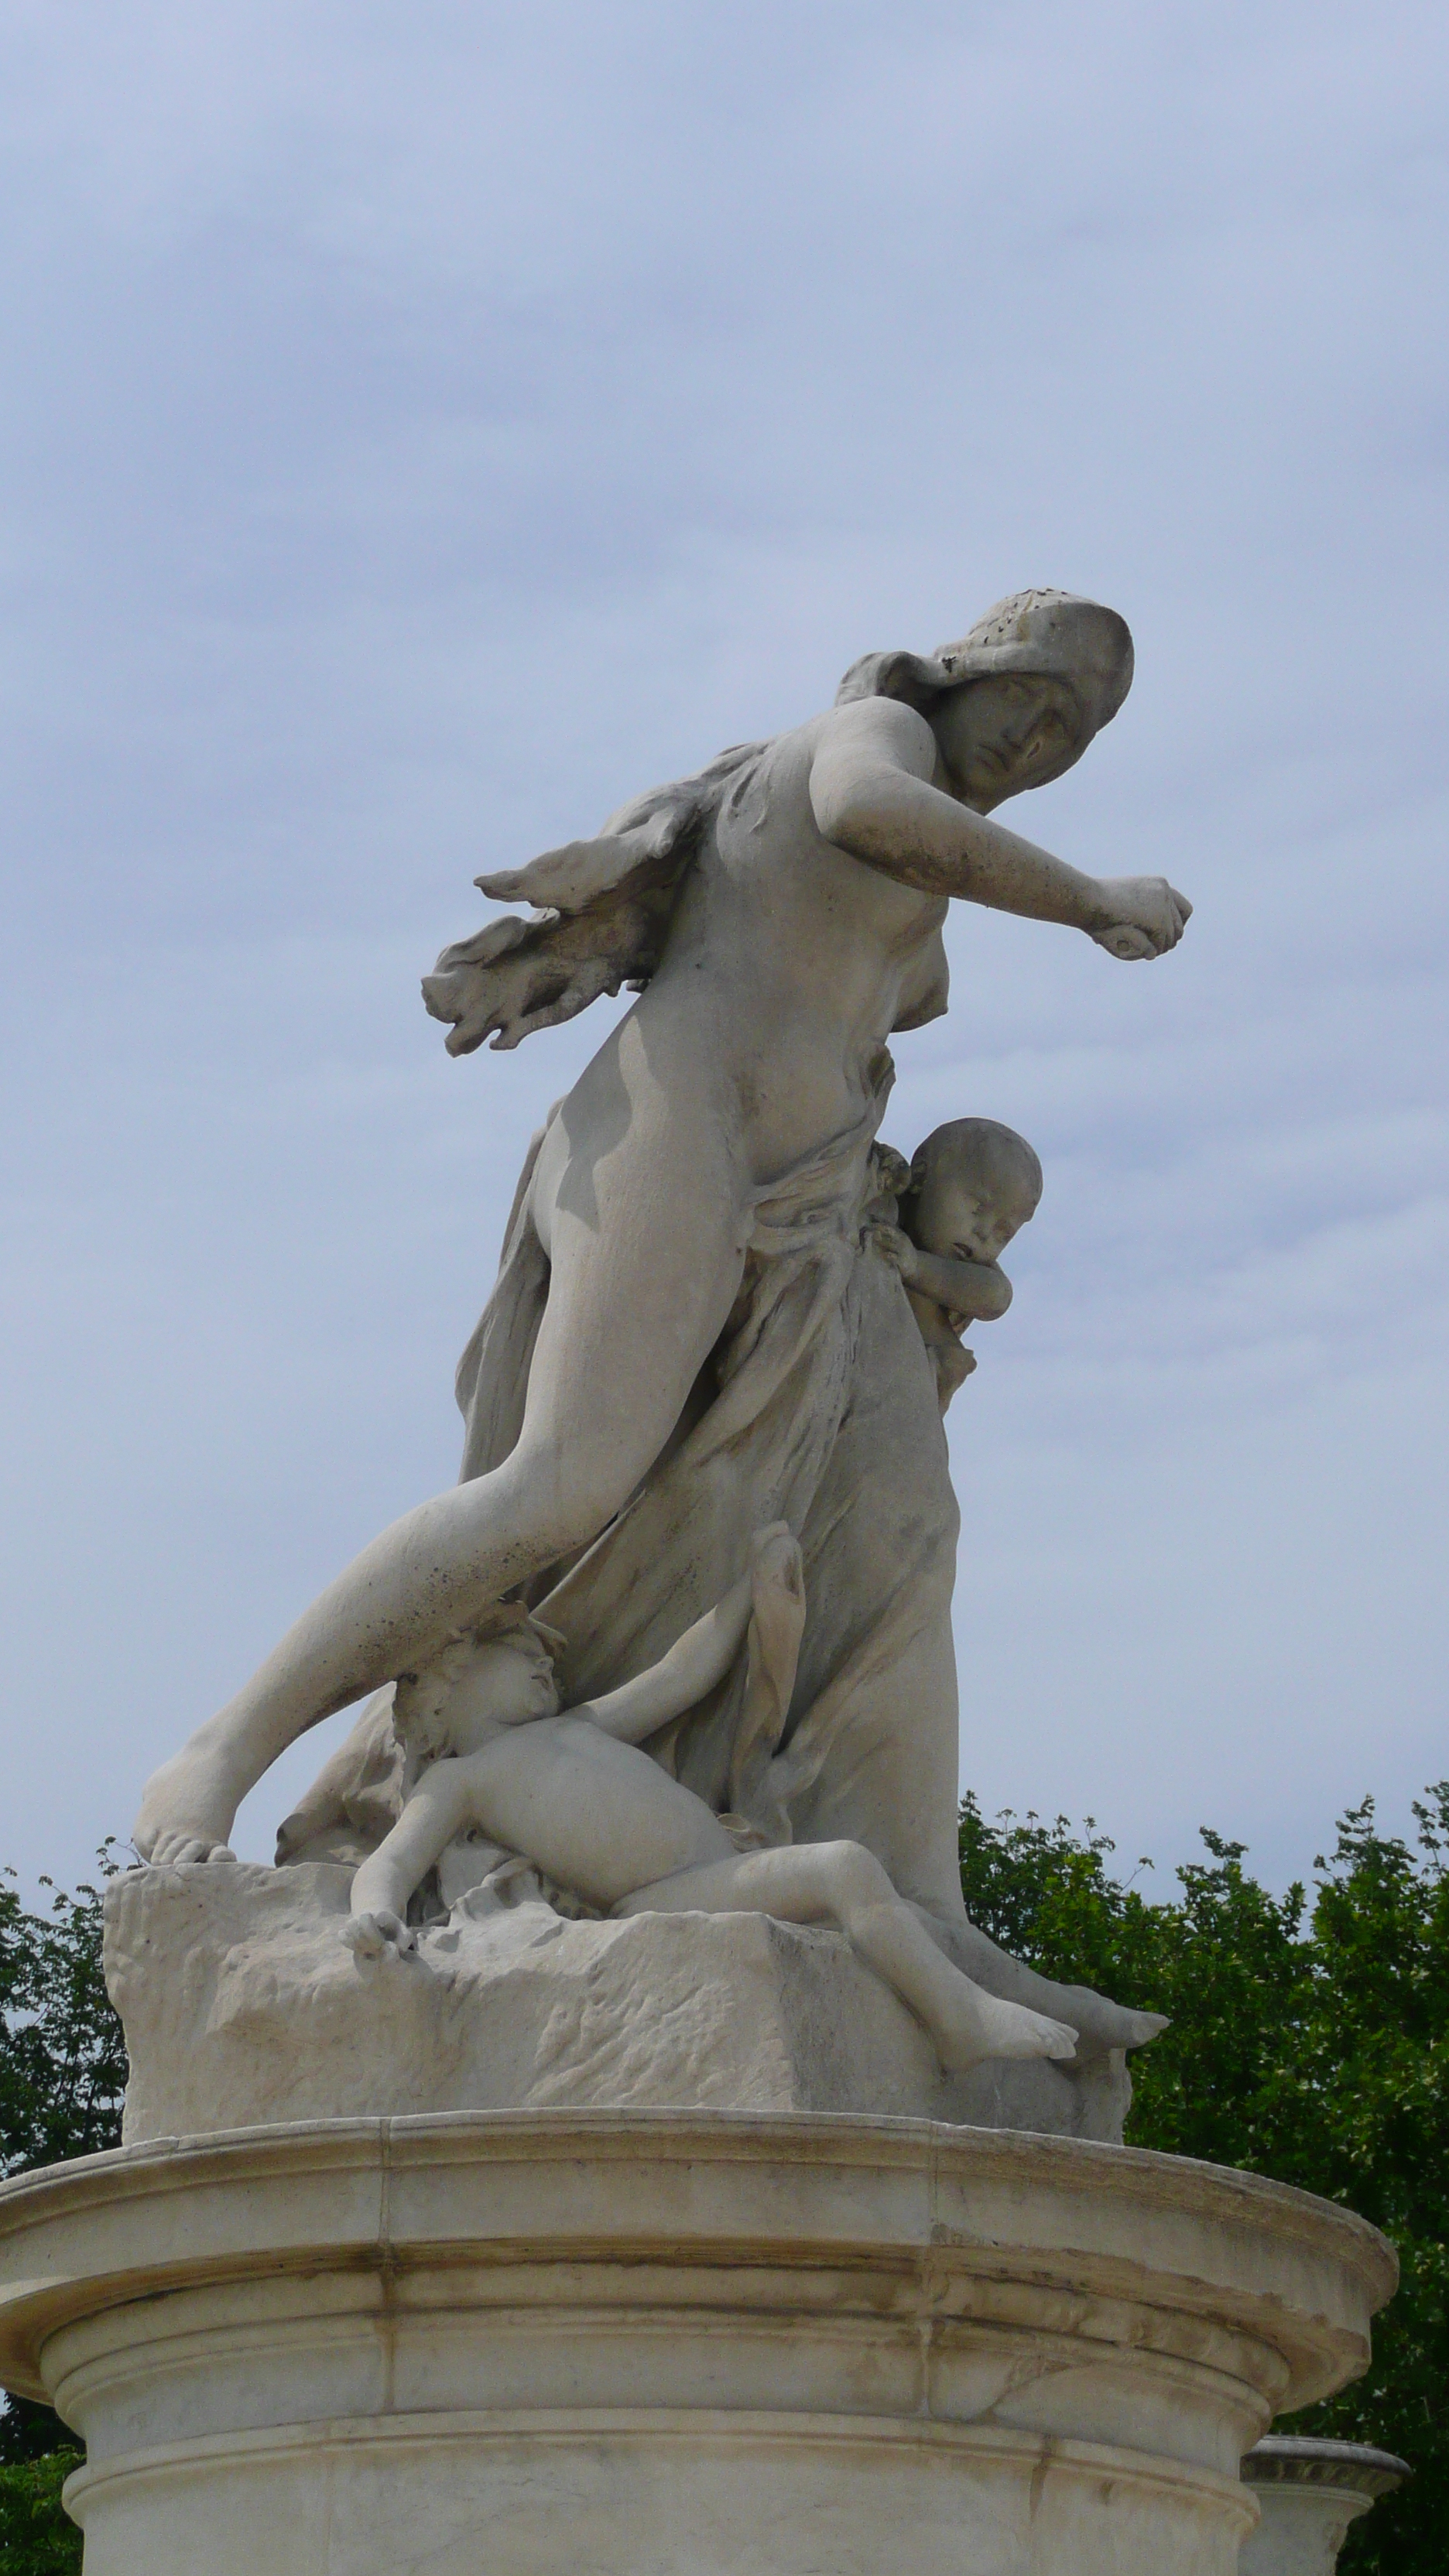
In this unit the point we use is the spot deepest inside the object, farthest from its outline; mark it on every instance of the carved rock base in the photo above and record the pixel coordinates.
(242, 2004)
(669, 2345)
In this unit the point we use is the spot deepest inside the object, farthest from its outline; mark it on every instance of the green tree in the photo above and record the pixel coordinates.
(62, 2078)
(1309, 2041)
(37, 2536)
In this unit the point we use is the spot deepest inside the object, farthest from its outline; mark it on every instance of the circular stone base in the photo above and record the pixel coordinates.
(669, 2344)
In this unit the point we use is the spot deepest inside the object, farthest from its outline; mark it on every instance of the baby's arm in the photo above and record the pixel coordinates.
(440, 1806)
(978, 1291)
(698, 1659)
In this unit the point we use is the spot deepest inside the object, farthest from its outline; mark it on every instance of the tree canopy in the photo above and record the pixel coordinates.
(1309, 2041)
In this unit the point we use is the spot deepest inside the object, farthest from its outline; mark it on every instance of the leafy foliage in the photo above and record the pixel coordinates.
(36, 2536)
(1310, 2042)
(62, 2078)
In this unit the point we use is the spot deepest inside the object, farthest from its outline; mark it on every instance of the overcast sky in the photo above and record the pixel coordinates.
(425, 425)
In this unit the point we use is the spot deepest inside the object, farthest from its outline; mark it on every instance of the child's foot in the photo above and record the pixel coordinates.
(987, 2027)
(186, 1810)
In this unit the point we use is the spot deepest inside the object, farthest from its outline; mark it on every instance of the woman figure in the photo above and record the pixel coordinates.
(689, 1227)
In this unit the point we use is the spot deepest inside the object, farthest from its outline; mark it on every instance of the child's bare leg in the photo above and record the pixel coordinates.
(842, 1883)
(632, 1311)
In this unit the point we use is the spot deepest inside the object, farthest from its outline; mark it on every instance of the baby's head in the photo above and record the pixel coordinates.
(500, 1674)
(973, 1184)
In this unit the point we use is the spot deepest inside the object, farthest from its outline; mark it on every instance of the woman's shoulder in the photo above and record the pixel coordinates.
(771, 798)
(888, 722)
(886, 727)
(773, 783)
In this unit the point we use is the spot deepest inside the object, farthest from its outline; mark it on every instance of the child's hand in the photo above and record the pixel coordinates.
(896, 1245)
(372, 1936)
(777, 1623)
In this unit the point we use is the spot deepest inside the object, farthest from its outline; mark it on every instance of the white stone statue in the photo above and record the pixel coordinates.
(703, 1322)
(476, 2200)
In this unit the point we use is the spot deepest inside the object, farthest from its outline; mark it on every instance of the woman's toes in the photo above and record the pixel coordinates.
(1063, 2040)
(1146, 2026)
(169, 1851)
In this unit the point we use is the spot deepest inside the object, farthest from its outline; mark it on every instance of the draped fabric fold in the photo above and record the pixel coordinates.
(817, 1407)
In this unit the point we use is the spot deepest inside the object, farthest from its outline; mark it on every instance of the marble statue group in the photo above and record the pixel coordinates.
(602, 2138)
(679, 1639)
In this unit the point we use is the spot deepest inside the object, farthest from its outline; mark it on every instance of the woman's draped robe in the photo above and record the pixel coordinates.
(817, 1407)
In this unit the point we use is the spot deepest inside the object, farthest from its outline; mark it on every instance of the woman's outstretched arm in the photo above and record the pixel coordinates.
(872, 795)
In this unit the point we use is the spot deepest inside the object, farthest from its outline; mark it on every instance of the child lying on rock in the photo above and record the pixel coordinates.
(571, 1791)
(973, 1185)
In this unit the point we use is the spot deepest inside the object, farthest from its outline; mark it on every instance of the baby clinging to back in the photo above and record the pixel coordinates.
(973, 1185)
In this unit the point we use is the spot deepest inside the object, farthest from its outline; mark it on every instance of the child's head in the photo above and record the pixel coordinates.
(973, 1184)
(500, 1674)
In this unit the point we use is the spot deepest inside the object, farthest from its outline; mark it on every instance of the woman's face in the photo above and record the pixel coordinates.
(1000, 735)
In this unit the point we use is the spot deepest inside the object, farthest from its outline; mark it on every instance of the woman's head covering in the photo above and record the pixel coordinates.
(1036, 634)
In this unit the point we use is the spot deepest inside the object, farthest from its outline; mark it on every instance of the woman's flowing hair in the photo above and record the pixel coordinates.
(598, 924)
(687, 805)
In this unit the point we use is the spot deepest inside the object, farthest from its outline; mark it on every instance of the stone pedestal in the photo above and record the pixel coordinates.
(669, 2344)
(1308, 2493)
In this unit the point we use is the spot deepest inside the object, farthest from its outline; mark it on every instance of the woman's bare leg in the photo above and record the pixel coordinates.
(645, 1235)
(842, 1883)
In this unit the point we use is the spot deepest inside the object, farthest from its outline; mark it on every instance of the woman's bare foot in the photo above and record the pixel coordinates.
(985, 2027)
(187, 1809)
(1099, 2023)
